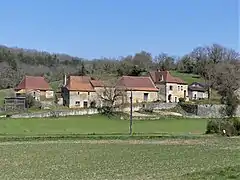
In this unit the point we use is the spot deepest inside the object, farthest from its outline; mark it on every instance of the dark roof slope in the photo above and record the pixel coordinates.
(136, 83)
(196, 86)
(33, 83)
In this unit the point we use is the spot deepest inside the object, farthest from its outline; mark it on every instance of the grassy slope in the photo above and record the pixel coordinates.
(189, 78)
(99, 124)
(135, 160)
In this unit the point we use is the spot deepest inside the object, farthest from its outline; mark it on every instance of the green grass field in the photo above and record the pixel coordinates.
(99, 125)
(188, 78)
(216, 158)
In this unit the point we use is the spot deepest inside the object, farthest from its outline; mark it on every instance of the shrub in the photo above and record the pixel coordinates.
(212, 126)
(147, 110)
(106, 110)
(181, 100)
(189, 108)
(29, 101)
(93, 104)
(56, 100)
(236, 124)
(231, 126)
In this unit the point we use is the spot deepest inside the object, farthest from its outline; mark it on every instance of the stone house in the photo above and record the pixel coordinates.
(143, 89)
(170, 88)
(37, 86)
(81, 91)
(197, 91)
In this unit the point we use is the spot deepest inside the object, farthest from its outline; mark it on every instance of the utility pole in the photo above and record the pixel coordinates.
(130, 127)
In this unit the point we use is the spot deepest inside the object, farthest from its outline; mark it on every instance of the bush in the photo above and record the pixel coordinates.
(93, 104)
(236, 124)
(29, 101)
(189, 108)
(231, 126)
(56, 100)
(147, 110)
(212, 127)
(181, 100)
(106, 110)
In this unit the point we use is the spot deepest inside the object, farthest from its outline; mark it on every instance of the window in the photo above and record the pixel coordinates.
(78, 93)
(88, 93)
(77, 103)
(145, 96)
(178, 88)
(170, 88)
(161, 78)
(181, 88)
(85, 104)
(195, 96)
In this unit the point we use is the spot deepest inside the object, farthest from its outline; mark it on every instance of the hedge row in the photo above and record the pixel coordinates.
(95, 137)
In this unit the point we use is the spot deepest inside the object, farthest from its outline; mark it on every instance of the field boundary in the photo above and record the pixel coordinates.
(9, 138)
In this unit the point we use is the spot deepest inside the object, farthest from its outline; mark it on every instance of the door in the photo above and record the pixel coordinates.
(85, 104)
(169, 98)
(185, 94)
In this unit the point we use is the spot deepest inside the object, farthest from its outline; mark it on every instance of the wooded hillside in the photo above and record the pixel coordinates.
(17, 62)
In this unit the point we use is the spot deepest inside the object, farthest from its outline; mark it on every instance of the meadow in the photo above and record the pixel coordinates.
(98, 124)
(176, 159)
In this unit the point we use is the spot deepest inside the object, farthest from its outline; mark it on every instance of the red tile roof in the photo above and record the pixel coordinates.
(82, 83)
(97, 83)
(136, 83)
(165, 77)
(33, 83)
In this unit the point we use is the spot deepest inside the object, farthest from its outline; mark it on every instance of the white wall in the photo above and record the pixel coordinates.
(176, 92)
(199, 95)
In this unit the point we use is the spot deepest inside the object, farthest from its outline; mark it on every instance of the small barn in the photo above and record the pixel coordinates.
(197, 91)
(37, 86)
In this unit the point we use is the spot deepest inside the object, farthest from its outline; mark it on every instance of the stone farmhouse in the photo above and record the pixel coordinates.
(171, 89)
(81, 92)
(84, 91)
(143, 89)
(37, 86)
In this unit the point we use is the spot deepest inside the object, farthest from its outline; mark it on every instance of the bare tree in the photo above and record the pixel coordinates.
(110, 97)
(227, 83)
(165, 62)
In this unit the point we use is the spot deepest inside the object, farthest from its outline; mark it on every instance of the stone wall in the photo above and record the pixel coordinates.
(75, 112)
(212, 111)
(56, 113)
(154, 106)
(204, 111)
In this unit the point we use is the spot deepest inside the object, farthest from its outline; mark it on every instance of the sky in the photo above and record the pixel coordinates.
(113, 28)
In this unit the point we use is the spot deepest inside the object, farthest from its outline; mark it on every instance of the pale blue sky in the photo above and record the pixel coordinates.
(112, 28)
